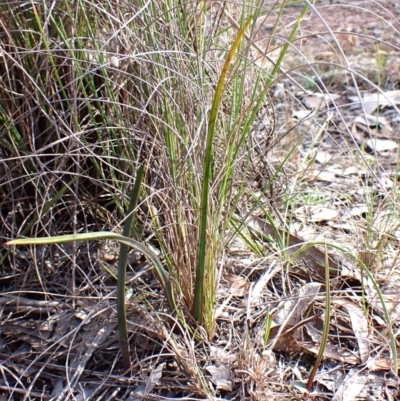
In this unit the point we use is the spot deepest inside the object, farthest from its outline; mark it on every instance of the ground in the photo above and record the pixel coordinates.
(341, 197)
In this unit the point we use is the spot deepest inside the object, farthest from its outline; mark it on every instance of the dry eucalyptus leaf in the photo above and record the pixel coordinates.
(312, 256)
(239, 285)
(319, 100)
(370, 120)
(321, 213)
(316, 213)
(57, 389)
(371, 101)
(263, 281)
(221, 355)
(381, 145)
(144, 389)
(351, 386)
(301, 114)
(386, 221)
(375, 364)
(352, 171)
(349, 226)
(221, 376)
(359, 132)
(392, 302)
(323, 156)
(359, 324)
(331, 380)
(86, 392)
(355, 211)
(314, 330)
(285, 342)
(322, 175)
(291, 311)
(288, 316)
(309, 337)
(332, 352)
(391, 296)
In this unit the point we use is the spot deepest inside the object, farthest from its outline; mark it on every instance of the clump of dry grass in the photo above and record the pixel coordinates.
(91, 91)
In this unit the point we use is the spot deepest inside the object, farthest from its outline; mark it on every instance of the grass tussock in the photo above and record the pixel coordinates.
(181, 126)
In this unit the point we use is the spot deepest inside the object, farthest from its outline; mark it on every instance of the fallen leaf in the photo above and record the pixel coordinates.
(309, 337)
(289, 314)
(291, 311)
(315, 213)
(381, 364)
(285, 342)
(360, 131)
(319, 100)
(263, 281)
(349, 226)
(351, 386)
(386, 221)
(332, 352)
(392, 302)
(144, 389)
(371, 101)
(381, 145)
(359, 324)
(355, 211)
(221, 376)
(322, 175)
(302, 114)
(239, 285)
(221, 355)
(312, 256)
(57, 389)
(352, 171)
(323, 157)
(371, 121)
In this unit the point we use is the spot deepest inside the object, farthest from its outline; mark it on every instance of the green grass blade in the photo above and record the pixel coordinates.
(286, 46)
(122, 262)
(45, 209)
(364, 268)
(326, 323)
(201, 256)
(103, 235)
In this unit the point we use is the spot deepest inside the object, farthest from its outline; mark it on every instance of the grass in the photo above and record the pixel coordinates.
(160, 126)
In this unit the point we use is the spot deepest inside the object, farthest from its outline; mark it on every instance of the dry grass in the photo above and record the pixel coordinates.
(89, 91)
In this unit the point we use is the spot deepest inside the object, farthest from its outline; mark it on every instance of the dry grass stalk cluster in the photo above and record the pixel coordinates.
(89, 91)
